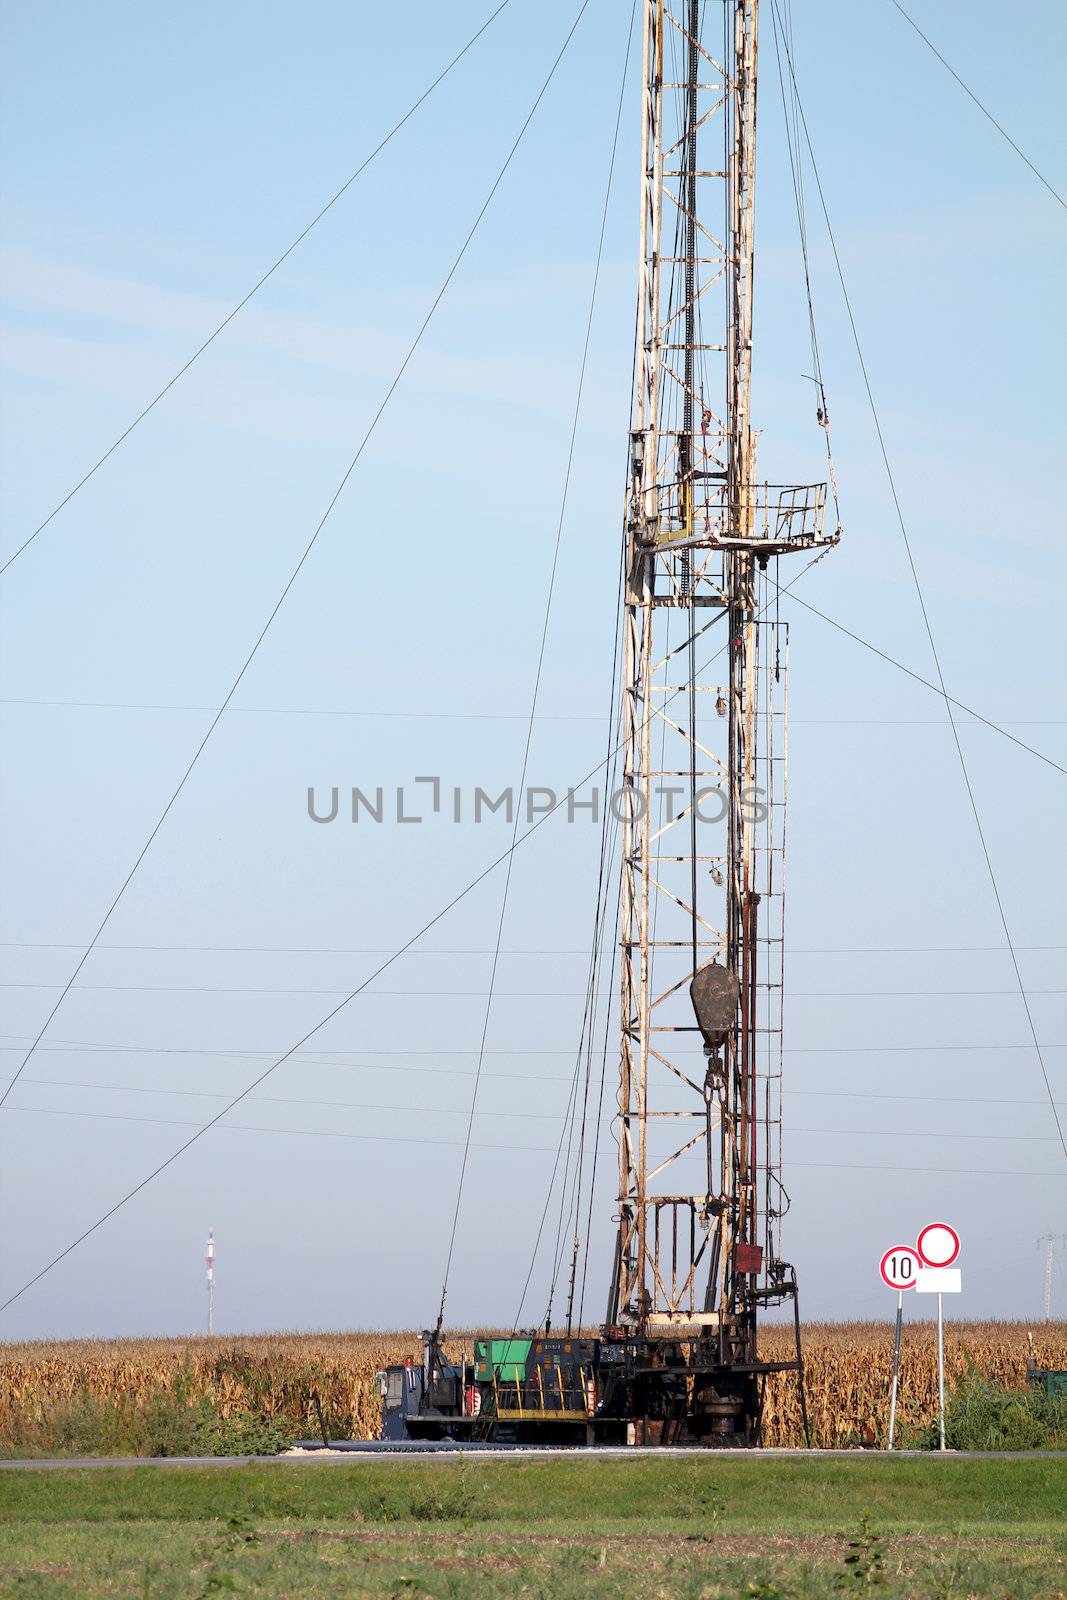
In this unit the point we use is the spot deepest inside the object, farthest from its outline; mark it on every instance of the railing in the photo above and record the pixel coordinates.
(776, 517)
(547, 1395)
(798, 513)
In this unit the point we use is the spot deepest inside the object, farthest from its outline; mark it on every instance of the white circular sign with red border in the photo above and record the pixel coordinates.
(899, 1267)
(938, 1245)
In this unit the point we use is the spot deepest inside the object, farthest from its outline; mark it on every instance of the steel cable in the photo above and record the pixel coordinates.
(271, 270)
(983, 109)
(942, 690)
(250, 657)
(337, 1009)
(564, 498)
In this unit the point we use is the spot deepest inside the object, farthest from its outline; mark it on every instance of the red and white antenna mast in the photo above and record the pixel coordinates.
(210, 1262)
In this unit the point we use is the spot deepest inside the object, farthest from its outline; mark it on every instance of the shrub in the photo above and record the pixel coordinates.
(980, 1415)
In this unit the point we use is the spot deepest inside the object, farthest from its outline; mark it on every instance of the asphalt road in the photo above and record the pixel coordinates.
(319, 1456)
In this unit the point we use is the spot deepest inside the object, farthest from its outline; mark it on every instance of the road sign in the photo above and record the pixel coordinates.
(938, 1245)
(939, 1280)
(927, 1269)
(899, 1266)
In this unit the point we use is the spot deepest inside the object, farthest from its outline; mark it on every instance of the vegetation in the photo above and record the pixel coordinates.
(980, 1415)
(167, 1425)
(713, 1528)
(849, 1367)
(250, 1395)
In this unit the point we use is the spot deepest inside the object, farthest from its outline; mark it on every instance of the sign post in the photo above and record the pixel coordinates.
(941, 1370)
(898, 1268)
(896, 1371)
(938, 1246)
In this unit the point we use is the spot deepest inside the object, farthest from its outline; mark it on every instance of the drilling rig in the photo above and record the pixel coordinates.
(702, 887)
(700, 1194)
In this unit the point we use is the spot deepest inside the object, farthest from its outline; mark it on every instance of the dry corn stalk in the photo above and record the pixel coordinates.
(848, 1370)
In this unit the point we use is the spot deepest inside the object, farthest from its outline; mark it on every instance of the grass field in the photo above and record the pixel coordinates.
(247, 1395)
(947, 1529)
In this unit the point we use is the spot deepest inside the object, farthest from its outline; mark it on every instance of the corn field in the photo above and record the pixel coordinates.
(849, 1368)
(275, 1376)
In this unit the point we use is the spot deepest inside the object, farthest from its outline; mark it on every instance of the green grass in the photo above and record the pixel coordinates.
(696, 1529)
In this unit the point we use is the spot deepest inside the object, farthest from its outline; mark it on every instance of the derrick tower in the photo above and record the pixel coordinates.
(704, 656)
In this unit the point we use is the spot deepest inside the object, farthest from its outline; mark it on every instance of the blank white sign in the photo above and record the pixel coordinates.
(939, 1280)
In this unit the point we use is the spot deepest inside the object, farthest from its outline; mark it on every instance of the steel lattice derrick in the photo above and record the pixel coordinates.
(702, 853)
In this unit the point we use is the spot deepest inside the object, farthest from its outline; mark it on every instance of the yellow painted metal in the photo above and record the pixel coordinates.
(515, 1410)
(543, 1416)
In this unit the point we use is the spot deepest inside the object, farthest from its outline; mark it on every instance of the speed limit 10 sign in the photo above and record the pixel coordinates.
(900, 1267)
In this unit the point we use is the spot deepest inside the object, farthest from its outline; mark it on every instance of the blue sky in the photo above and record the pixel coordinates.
(152, 167)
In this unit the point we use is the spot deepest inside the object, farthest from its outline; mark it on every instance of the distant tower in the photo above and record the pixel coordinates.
(211, 1281)
(1050, 1241)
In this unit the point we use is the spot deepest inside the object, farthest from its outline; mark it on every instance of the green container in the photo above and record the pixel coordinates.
(503, 1359)
(1052, 1382)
